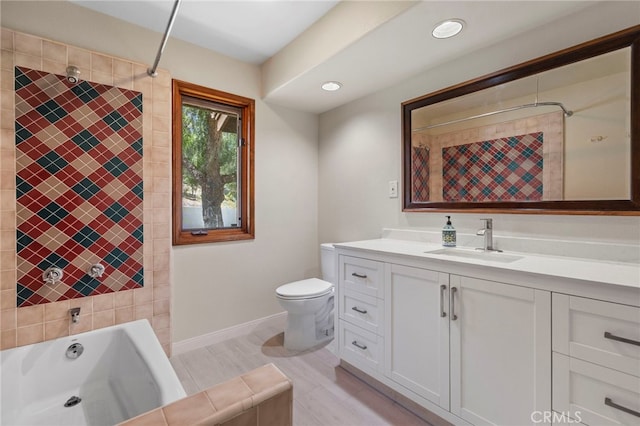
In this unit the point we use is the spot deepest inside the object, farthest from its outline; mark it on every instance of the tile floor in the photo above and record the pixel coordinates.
(323, 394)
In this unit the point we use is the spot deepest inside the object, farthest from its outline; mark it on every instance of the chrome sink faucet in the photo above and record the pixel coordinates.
(487, 232)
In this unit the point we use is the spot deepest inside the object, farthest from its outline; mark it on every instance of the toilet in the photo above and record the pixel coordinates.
(309, 305)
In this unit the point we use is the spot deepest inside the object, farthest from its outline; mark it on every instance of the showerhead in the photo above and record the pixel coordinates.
(73, 74)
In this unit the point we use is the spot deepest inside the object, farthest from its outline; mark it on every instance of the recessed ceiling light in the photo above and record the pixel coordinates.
(448, 28)
(331, 86)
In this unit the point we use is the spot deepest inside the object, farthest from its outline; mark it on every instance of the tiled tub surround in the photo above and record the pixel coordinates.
(261, 397)
(32, 324)
(79, 186)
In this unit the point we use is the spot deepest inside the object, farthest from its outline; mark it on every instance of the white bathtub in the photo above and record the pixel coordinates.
(122, 372)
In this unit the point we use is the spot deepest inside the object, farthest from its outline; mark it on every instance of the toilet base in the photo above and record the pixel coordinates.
(301, 334)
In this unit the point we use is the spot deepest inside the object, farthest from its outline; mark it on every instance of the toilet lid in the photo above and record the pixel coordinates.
(305, 288)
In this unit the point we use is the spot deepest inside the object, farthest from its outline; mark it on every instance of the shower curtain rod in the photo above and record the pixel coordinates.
(152, 71)
(567, 113)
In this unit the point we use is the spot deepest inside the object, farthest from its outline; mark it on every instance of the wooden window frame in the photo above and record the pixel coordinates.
(246, 230)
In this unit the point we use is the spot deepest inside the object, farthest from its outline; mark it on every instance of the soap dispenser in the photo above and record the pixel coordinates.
(448, 234)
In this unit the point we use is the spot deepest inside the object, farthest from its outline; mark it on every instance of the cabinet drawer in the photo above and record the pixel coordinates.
(361, 348)
(594, 395)
(604, 333)
(364, 311)
(362, 275)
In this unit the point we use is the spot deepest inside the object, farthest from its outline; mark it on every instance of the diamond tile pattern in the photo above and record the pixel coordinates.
(420, 174)
(78, 186)
(506, 169)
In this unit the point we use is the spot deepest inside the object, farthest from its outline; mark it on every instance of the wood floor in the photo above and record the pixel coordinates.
(323, 394)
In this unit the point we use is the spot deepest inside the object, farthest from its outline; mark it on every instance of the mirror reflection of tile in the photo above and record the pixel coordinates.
(78, 186)
(499, 162)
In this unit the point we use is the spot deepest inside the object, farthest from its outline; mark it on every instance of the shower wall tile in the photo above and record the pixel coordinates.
(17, 328)
(79, 186)
(504, 169)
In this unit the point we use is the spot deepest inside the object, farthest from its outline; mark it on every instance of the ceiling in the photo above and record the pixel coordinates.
(372, 55)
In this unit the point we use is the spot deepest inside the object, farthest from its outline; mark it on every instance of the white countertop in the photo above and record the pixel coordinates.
(615, 273)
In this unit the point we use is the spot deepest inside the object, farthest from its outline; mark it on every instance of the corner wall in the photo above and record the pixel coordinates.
(215, 286)
(361, 142)
(33, 324)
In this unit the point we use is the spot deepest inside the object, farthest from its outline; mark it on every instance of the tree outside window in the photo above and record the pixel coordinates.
(212, 165)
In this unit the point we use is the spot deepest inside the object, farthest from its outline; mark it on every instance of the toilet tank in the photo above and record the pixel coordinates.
(327, 262)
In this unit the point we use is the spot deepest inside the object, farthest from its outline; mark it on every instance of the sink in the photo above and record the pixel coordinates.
(492, 256)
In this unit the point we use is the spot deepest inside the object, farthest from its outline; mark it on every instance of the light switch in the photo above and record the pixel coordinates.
(393, 189)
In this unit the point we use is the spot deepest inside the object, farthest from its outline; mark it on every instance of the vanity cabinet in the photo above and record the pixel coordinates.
(417, 330)
(478, 349)
(500, 351)
(596, 360)
(361, 313)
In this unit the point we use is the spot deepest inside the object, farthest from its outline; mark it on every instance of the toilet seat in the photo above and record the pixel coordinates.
(304, 289)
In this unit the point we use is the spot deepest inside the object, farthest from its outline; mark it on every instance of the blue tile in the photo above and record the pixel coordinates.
(86, 237)
(86, 285)
(53, 260)
(116, 212)
(51, 111)
(138, 234)
(85, 91)
(138, 278)
(137, 146)
(53, 213)
(22, 240)
(116, 258)
(115, 120)
(115, 166)
(86, 188)
(22, 134)
(137, 102)
(85, 140)
(21, 79)
(52, 162)
(23, 294)
(22, 187)
(138, 190)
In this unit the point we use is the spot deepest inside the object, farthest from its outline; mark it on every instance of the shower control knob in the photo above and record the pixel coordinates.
(96, 270)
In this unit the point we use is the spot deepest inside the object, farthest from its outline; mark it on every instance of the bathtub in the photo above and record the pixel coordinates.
(122, 372)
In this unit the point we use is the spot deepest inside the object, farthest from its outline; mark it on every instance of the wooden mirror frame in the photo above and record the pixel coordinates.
(621, 39)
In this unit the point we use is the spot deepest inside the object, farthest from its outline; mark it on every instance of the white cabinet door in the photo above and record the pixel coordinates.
(417, 342)
(500, 352)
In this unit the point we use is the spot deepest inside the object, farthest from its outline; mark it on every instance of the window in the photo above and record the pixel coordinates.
(212, 165)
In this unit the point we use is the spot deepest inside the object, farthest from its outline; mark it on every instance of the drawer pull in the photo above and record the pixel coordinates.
(454, 290)
(358, 345)
(357, 275)
(442, 289)
(608, 335)
(610, 403)
(358, 310)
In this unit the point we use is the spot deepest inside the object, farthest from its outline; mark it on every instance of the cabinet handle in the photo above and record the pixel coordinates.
(355, 274)
(608, 335)
(360, 311)
(442, 289)
(610, 403)
(358, 345)
(454, 290)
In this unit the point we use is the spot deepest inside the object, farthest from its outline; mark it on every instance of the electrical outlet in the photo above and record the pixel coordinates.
(393, 189)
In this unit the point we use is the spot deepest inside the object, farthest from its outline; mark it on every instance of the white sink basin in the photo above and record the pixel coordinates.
(492, 256)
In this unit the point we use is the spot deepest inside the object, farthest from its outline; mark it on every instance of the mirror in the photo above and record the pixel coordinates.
(558, 134)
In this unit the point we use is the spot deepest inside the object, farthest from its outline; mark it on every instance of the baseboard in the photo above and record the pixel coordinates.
(221, 335)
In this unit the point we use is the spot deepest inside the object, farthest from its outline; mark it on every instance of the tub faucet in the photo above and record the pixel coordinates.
(75, 315)
(487, 232)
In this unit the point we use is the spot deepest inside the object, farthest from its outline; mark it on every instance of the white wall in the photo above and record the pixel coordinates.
(360, 145)
(215, 285)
